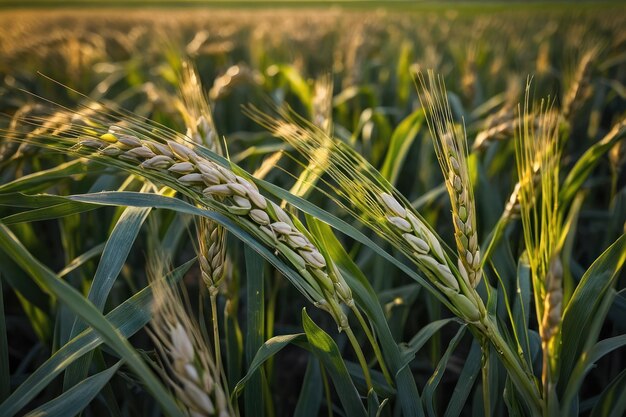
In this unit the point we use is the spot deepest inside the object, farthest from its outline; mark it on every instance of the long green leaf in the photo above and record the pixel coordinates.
(115, 252)
(114, 256)
(270, 348)
(521, 305)
(30, 201)
(612, 401)
(511, 298)
(379, 384)
(583, 310)
(46, 213)
(465, 382)
(433, 382)
(587, 162)
(310, 396)
(73, 401)
(326, 350)
(81, 259)
(34, 302)
(419, 340)
(41, 180)
(297, 85)
(88, 312)
(127, 318)
(400, 143)
(255, 324)
(585, 364)
(23, 284)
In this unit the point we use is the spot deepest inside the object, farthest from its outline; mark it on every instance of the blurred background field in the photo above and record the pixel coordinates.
(131, 58)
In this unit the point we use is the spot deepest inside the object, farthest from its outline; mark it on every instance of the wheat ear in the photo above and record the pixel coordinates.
(175, 163)
(190, 369)
(551, 320)
(538, 155)
(579, 82)
(451, 149)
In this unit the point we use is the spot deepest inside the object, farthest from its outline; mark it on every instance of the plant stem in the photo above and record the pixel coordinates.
(374, 343)
(521, 377)
(329, 402)
(484, 344)
(360, 356)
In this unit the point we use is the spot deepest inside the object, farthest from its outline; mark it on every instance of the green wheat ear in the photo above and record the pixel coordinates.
(538, 155)
(451, 148)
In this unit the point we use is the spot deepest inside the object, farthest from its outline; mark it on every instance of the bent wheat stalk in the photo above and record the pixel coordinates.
(367, 196)
(173, 162)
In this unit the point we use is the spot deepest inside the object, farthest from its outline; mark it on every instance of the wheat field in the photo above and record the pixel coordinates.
(358, 209)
